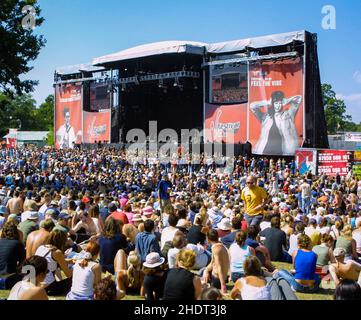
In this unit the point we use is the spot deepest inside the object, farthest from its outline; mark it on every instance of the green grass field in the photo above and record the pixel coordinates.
(325, 292)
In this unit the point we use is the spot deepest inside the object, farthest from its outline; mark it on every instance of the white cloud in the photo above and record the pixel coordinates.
(357, 76)
(353, 105)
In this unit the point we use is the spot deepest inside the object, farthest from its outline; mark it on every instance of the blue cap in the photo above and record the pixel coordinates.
(64, 216)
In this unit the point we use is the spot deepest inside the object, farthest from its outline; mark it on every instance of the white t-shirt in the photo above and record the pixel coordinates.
(306, 190)
(167, 235)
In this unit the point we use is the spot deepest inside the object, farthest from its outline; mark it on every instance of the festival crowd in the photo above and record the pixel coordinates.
(90, 225)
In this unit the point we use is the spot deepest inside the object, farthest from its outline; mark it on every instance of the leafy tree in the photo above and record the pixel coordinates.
(18, 45)
(335, 111)
(20, 111)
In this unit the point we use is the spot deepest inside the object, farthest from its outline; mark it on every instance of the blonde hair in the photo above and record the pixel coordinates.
(347, 231)
(186, 258)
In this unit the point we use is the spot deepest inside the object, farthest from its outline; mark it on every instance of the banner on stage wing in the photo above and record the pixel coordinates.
(68, 114)
(99, 96)
(331, 162)
(306, 160)
(276, 107)
(226, 123)
(353, 136)
(96, 126)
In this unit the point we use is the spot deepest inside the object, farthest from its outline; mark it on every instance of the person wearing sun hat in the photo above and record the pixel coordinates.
(224, 227)
(155, 276)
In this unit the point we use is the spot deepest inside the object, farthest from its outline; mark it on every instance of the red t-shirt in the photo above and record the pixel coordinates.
(118, 215)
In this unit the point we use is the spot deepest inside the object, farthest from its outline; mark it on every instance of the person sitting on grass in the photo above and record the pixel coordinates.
(53, 252)
(106, 290)
(211, 293)
(155, 273)
(217, 270)
(27, 290)
(276, 241)
(238, 253)
(304, 260)
(324, 252)
(347, 290)
(12, 254)
(130, 278)
(342, 269)
(86, 274)
(181, 283)
(253, 286)
(37, 238)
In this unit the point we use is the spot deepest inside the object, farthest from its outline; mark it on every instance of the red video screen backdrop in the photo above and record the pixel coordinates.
(331, 162)
(223, 121)
(68, 114)
(96, 126)
(306, 161)
(276, 107)
(99, 96)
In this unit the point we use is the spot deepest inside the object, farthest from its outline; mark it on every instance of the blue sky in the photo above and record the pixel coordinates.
(79, 30)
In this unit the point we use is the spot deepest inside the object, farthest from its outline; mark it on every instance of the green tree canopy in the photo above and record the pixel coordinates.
(335, 112)
(20, 111)
(18, 45)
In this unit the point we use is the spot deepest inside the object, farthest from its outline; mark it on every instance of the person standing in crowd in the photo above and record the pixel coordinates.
(254, 198)
(164, 190)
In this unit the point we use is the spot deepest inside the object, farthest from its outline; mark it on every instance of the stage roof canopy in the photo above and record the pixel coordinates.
(256, 43)
(152, 49)
(190, 47)
(77, 68)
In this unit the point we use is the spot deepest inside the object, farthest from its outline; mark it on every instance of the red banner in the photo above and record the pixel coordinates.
(276, 107)
(331, 162)
(226, 122)
(68, 108)
(96, 126)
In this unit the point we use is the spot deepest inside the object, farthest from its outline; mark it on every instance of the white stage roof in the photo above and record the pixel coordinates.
(153, 49)
(258, 42)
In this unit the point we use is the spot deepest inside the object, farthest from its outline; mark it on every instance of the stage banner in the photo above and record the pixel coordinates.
(68, 114)
(226, 120)
(276, 107)
(99, 96)
(96, 126)
(331, 162)
(306, 160)
(353, 136)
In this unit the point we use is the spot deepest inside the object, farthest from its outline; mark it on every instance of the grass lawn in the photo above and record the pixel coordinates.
(325, 293)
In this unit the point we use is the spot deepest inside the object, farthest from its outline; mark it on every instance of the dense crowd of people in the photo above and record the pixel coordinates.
(90, 225)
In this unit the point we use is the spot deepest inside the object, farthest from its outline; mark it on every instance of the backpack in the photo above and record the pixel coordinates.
(280, 289)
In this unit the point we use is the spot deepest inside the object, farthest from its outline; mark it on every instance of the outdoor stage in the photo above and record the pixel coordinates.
(263, 92)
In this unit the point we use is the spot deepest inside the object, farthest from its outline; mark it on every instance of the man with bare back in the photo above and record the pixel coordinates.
(37, 238)
(342, 269)
(217, 271)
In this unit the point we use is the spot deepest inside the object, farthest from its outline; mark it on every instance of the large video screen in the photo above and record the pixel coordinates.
(229, 83)
(99, 96)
